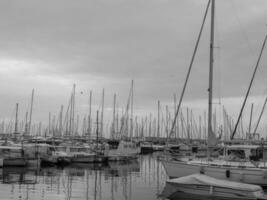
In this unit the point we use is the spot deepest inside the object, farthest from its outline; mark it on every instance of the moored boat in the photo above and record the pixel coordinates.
(244, 163)
(158, 147)
(126, 150)
(12, 156)
(56, 155)
(146, 148)
(84, 155)
(33, 162)
(246, 169)
(204, 186)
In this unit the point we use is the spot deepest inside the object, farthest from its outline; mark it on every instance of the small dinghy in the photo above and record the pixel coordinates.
(204, 186)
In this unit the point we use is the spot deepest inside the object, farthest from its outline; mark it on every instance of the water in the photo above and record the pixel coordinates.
(141, 179)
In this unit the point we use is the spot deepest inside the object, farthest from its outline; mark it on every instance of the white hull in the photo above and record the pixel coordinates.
(34, 163)
(125, 149)
(80, 158)
(175, 169)
(18, 162)
(118, 158)
(157, 147)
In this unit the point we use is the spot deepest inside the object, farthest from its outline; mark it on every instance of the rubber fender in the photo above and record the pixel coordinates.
(227, 173)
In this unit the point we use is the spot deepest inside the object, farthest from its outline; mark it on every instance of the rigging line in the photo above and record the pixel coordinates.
(162, 118)
(250, 85)
(262, 110)
(190, 67)
(126, 114)
(259, 119)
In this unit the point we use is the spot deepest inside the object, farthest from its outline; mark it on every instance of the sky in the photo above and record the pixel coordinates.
(50, 45)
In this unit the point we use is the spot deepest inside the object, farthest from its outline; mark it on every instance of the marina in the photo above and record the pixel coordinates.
(133, 100)
(141, 178)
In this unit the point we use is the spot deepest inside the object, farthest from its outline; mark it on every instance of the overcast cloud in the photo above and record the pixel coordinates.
(49, 45)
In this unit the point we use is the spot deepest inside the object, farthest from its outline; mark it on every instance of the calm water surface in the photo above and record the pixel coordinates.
(140, 179)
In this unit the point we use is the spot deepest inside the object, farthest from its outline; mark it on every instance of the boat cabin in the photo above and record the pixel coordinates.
(11, 152)
(246, 152)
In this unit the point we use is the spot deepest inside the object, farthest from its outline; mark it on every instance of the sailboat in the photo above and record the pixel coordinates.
(127, 148)
(221, 168)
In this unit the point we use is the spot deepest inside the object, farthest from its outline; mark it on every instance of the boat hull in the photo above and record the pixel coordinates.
(88, 159)
(121, 158)
(62, 161)
(48, 161)
(158, 147)
(18, 162)
(146, 149)
(176, 169)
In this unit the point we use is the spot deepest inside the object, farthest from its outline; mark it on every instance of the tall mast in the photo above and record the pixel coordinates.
(84, 126)
(97, 135)
(150, 125)
(89, 117)
(76, 130)
(49, 124)
(200, 129)
(29, 128)
(114, 118)
(40, 129)
(60, 120)
(53, 125)
(210, 90)
(69, 114)
(131, 122)
(167, 122)
(102, 113)
(158, 127)
(187, 124)
(73, 111)
(26, 123)
(16, 120)
(117, 121)
(175, 126)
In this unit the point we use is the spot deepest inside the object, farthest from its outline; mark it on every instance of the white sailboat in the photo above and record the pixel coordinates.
(127, 150)
(234, 170)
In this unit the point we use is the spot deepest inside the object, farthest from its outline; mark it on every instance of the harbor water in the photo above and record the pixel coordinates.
(143, 178)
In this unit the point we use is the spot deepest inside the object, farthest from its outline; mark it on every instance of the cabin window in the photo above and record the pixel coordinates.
(236, 154)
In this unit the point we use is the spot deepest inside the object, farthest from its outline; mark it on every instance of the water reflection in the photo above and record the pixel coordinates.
(18, 175)
(143, 178)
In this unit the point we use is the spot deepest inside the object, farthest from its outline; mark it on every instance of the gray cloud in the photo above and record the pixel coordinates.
(104, 44)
